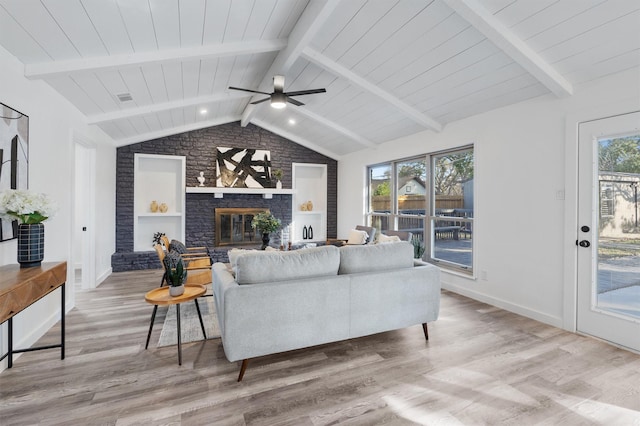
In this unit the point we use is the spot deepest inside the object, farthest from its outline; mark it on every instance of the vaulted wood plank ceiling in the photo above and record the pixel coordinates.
(391, 67)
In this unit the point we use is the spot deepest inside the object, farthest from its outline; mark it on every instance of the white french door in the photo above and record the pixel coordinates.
(608, 236)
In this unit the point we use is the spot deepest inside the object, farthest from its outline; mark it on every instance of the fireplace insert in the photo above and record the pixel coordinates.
(233, 226)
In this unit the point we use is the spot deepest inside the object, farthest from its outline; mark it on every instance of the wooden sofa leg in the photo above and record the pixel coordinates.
(426, 330)
(243, 368)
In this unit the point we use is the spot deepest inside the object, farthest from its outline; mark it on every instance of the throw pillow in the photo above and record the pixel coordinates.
(357, 237)
(384, 239)
(178, 246)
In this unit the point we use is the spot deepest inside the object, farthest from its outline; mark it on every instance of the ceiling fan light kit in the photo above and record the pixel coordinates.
(279, 98)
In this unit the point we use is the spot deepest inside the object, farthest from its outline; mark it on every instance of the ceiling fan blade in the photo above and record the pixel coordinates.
(306, 92)
(278, 83)
(293, 101)
(260, 101)
(248, 90)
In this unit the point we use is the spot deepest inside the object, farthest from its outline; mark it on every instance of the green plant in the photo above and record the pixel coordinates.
(265, 222)
(418, 247)
(176, 273)
(277, 174)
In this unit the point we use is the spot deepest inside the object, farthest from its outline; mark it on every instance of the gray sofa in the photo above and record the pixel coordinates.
(272, 302)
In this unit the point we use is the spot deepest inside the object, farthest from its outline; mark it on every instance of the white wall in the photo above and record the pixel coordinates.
(53, 121)
(519, 229)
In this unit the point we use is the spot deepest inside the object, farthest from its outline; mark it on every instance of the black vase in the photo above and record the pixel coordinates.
(304, 233)
(265, 240)
(30, 244)
(310, 233)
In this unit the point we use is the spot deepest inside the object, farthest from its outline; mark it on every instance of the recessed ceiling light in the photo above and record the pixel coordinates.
(203, 111)
(292, 121)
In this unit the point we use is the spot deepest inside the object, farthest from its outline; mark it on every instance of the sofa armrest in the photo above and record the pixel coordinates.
(222, 280)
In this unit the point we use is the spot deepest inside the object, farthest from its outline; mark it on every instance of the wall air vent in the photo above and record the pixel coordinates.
(124, 97)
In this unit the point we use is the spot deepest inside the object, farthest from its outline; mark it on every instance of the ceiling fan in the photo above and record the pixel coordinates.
(279, 97)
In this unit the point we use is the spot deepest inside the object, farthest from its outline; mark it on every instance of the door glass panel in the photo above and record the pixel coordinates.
(617, 287)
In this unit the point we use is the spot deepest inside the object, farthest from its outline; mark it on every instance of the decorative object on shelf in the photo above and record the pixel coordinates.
(304, 232)
(176, 274)
(309, 206)
(277, 175)
(243, 168)
(157, 238)
(303, 207)
(418, 247)
(163, 208)
(14, 144)
(154, 206)
(266, 223)
(310, 233)
(29, 210)
(201, 178)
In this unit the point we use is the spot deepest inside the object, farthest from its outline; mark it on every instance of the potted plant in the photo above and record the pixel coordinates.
(266, 223)
(277, 174)
(176, 274)
(418, 248)
(29, 209)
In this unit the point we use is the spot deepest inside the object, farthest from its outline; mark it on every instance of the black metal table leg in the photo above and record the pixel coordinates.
(200, 317)
(179, 334)
(153, 317)
(10, 344)
(62, 312)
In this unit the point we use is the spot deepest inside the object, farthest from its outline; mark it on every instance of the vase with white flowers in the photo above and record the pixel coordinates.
(28, 210)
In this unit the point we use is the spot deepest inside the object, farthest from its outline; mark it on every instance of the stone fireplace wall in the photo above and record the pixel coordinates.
(199, 148)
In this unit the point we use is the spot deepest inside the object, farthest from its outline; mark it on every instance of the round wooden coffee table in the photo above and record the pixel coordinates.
(160, 297)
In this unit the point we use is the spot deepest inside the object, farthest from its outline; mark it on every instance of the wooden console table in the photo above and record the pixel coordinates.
(21, 287)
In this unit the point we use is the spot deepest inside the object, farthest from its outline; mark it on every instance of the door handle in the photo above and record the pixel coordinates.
(584, 243)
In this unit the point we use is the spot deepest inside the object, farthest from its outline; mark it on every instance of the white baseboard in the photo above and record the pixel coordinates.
(507, 306)
(100, 278)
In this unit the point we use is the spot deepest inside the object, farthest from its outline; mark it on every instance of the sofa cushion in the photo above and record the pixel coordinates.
(384, 239)
(264, 267)
(357, 237)
(378, 257)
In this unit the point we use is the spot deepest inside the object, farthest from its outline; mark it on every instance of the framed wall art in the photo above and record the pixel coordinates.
(14, 159)
(243, 168)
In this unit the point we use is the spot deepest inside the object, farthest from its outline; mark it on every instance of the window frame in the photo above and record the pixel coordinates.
(393, 218)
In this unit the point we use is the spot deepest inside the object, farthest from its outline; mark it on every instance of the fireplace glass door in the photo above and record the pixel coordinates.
(233, 226)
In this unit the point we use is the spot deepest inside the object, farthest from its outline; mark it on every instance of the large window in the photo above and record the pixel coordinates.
(430, 196)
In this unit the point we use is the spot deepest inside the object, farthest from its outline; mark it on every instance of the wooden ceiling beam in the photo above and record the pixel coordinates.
(164, 106)
(295, 138)
(334, 126)
(342, 72)
(115, 62)
(311, 21)
(143, 137)
(488, 25)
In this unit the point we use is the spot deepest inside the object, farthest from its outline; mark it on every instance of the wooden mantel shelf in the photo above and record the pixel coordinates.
(219, 192)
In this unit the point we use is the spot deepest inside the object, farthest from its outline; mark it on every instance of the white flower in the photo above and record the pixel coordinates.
(25, 206)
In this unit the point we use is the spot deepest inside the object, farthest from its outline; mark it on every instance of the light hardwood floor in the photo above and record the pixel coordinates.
(482, 365)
